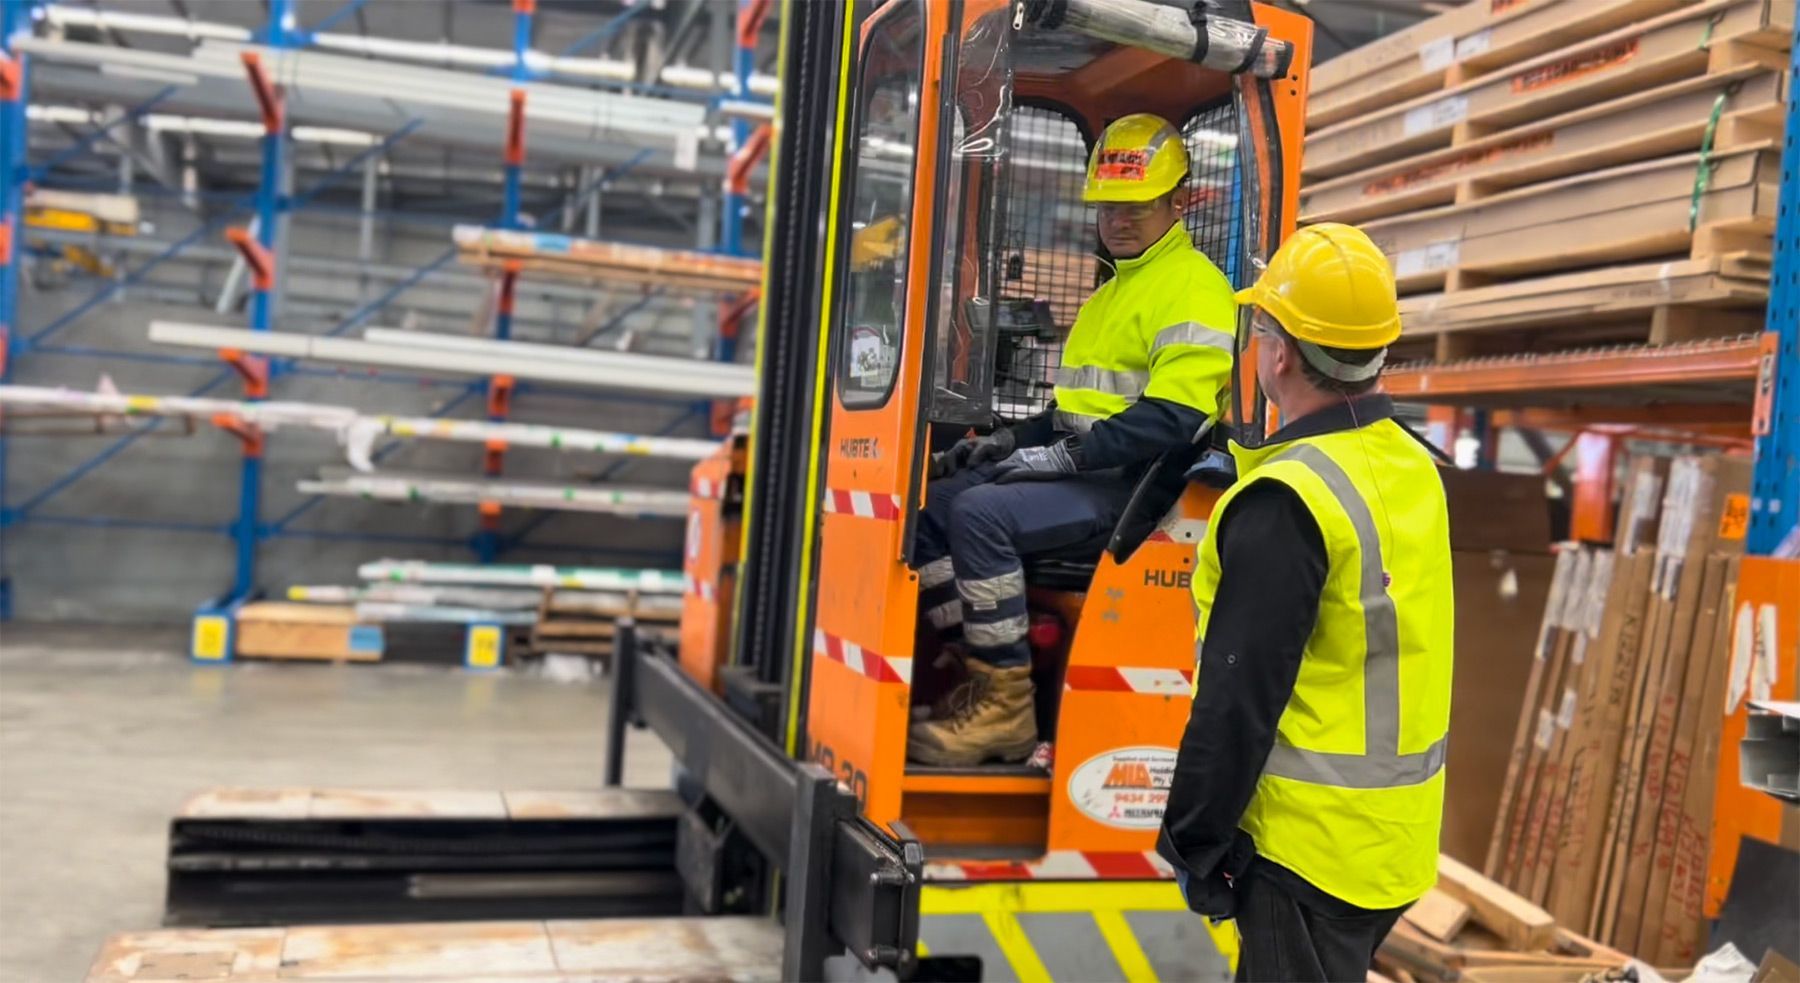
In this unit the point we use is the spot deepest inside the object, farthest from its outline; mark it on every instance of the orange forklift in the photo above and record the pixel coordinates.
(955, 252)
(926, 249)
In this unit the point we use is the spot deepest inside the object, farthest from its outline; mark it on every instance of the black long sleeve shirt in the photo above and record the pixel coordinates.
(1272, 565)
(1137, 433)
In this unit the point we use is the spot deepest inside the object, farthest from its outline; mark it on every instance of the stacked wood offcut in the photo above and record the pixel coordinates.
(586, 622)
(1553, 174)
(1605, 811)
(1470, 928)
(614, 262)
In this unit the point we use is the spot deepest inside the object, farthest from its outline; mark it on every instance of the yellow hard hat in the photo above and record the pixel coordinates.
(1329, 284)
(1139, 158)
(875, 243)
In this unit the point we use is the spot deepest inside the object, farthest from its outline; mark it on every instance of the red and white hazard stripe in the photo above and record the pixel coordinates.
(881, 668)
(707, 590)
(1129, 679)
(1057, 865)
(867, 505)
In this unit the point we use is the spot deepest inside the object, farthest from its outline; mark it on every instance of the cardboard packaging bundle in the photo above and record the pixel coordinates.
(1605, 811)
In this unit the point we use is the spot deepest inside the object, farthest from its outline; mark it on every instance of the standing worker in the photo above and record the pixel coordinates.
(1141, 371)
(1309, 791)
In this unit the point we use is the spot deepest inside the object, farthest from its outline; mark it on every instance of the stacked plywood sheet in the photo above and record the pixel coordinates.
(1604, 814)
(1554, 173)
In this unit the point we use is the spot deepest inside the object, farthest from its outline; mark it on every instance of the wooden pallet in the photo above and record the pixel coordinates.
(1714, 36)
(1659, 122)
(1659, 303)
(1642, 211)
(306, 632)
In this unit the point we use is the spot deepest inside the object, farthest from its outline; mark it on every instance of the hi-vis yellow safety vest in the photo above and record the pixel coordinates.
(1163, 326)
(1352, 796)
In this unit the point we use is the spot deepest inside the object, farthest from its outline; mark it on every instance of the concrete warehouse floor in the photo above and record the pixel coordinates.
(105, 731)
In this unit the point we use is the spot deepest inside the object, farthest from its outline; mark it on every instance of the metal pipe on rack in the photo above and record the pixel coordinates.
(537, 575)
(345, 420)
(600, 370)
(447, 489)
(698, 368)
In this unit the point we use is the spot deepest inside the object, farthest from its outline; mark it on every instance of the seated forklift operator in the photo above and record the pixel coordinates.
(1142, 369)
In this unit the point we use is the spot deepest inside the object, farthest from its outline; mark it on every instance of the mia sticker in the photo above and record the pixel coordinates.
(1125, 787)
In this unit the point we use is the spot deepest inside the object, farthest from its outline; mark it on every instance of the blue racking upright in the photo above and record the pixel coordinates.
(1775, 485)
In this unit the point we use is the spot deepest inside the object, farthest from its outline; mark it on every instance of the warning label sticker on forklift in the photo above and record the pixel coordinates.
(1125, 787)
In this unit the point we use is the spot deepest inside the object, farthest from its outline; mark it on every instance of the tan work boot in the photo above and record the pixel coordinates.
(953, 658)
(992, 719)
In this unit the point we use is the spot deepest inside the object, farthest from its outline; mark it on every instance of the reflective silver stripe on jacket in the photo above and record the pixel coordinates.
(1194, 333)
(1381, 765)
(1068, 422)
(1114, 382)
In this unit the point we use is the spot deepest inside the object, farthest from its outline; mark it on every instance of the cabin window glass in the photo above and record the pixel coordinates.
(880, 205)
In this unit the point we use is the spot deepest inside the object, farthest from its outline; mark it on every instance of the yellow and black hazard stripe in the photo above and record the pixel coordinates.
(1074, 930)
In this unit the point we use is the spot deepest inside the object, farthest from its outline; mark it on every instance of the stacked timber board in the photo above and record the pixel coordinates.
(319, 632)
(1606, 807)
(588, 259)
(1554, 174)
(585, 623)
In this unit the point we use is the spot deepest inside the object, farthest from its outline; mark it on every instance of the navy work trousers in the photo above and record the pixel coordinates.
(972, 533)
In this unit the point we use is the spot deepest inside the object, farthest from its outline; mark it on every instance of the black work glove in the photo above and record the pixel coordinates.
(971, 451)
(1038, 463)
